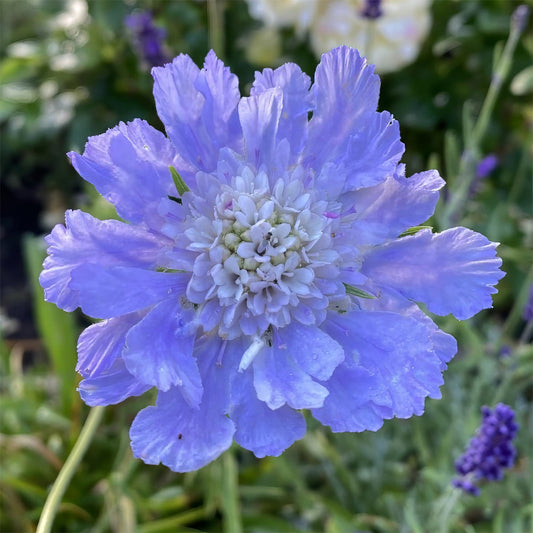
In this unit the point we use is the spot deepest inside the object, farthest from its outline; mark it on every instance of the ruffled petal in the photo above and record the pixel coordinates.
(198, 108)
(128, 165)
(183, 438)
(387, 210)
(113, 291)
(358, 401)
(111, 386)
(392, 362)
(346, 92)
(159, 351)
(85, 239)
(283, 372)
(443, 344)
(101, 344)
(451, 272)
(297, 102)
(259, 116)
(258, 428)
(315, 352)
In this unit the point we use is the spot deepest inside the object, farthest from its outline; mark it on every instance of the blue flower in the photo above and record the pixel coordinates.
(263, 268)
(490, 451)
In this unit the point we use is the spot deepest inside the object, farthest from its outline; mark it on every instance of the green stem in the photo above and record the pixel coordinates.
(467, 166)
(230, 494)
(515, 316)
(216, 27)
(370, 30)
(69, 468)
(445, 507)
(501, 72)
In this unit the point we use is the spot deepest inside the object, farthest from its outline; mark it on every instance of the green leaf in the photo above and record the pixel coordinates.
(181, 187)
(58, 330)
(468, 124)
(354, 291)
(414, 229)
(452, 153)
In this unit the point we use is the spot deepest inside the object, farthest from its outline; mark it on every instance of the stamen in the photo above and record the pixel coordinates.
(248, 356)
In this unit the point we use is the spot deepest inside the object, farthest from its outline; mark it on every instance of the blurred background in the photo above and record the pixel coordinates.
(70, 69)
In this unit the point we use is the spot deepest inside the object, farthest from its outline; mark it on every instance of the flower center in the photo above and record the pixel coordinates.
(259, 256)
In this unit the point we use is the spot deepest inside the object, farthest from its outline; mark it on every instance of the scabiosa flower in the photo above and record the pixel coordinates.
(264, 266)
(147, 38)
(490, 451)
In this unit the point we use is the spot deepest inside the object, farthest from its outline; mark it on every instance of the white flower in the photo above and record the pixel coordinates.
(277, 13)
(390, 41)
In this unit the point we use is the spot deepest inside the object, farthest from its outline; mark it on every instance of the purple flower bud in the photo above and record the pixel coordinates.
(486, 166)
(520, 17)
(490, 450)
(372, 9)
(527, 313)
(147, 38)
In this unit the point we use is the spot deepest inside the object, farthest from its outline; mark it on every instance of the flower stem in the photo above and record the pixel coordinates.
(216, 27)
(63, 479)
(230, 494)
(467, 166)
(445, 506)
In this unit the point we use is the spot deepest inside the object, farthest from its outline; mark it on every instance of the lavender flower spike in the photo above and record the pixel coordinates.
(490, 451)
(262, 268)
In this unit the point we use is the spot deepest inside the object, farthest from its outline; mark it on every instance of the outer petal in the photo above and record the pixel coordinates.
(444, 345)
(260, 429)
(85, 239)
(179, 436)
(387, 210)
(373, 152)
(128, 165)
(392, 363)
(346, 92)
(282, 372)
(451, 272)
(159, 351)
(358, 401)
(259, 116)
(114, 291)
(111, 386)
(101, 344)
(296, 102)
(198, 108)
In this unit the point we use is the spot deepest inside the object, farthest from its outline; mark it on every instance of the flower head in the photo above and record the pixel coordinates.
(264, 266)
(490, 451)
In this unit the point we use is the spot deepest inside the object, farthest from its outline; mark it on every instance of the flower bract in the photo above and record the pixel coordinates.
(265, 264)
